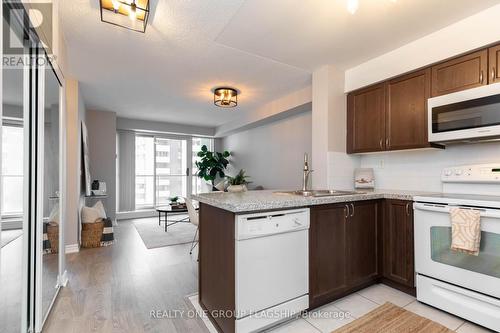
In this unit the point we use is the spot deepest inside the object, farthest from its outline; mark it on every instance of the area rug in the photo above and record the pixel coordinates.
(8, 236)
(389, 318)
(154, 236)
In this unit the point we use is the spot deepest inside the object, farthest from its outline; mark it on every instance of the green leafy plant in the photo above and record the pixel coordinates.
(212, 164)
(174, 199)
(239, 179)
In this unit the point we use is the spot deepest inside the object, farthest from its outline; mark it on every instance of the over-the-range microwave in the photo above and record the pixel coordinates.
(468, 115)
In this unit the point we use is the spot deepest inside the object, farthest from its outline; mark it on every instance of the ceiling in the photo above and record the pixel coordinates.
(167, 74)
(264, 48)
(309, 34)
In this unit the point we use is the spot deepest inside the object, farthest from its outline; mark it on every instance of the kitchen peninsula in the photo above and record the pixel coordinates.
(304, 251)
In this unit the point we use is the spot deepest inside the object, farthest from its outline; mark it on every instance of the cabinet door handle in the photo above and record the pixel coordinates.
(346, 211)
(493, 72)
(381, 143)
(408, 209)
(481, 77)
(387, 143)
(352, 214)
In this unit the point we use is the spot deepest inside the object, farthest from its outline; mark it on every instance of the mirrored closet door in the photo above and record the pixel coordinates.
(31, 180)
(14, 231)
(49, 174)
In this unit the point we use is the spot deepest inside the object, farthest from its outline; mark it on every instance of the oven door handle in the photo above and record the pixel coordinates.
(485, 212)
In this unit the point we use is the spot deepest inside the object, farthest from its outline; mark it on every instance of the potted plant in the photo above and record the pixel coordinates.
(174, 201)
(238, 183)
(212, 164)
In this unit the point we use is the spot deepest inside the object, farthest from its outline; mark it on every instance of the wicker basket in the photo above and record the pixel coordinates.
(53, 236)
(92, 234)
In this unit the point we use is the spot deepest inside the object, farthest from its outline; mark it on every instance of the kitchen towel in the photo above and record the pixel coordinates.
(465, 230)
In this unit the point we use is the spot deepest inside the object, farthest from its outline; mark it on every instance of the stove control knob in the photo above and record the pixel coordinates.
(447, 172)
(458, 172)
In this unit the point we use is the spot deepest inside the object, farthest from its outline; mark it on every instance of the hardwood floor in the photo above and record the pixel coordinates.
(115, 288)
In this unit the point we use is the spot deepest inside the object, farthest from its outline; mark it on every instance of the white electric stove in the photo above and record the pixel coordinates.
(465, 285)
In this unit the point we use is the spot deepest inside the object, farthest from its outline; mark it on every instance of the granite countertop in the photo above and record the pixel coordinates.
(253, 201)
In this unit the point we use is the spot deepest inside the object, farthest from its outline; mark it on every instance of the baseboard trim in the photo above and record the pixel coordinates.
(136, 214)
(72, 248)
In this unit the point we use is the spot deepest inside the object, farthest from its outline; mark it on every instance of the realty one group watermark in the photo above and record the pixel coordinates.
(266, 314)
(27, 34)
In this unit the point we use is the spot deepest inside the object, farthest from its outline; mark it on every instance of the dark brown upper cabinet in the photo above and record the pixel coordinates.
(406, 111)
(366, 120)
(398, 245)
(494, 64)
(460, 73)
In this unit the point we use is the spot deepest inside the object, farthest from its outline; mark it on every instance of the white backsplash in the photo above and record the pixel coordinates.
(341, 170)
(421, 169)
(408, 170)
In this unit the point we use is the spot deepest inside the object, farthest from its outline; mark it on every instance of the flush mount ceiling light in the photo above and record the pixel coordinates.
(225, 97)
(129, 14)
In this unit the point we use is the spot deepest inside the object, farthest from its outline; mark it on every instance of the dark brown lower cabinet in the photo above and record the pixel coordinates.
(343, 249)
(327, 253)
(398, 247)
(362, 246)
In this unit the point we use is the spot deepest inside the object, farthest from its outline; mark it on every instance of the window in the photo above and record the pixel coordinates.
(161, 169)
(171, 169)
(12, 169)
(144, 172)
(199, 185)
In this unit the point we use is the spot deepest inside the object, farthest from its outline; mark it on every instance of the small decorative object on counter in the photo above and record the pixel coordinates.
(364, 178)
(238, 183)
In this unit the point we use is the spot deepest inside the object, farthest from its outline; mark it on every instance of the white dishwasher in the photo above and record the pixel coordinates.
(272, 268)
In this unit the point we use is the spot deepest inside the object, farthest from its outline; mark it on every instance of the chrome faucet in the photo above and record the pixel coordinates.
(306, 174)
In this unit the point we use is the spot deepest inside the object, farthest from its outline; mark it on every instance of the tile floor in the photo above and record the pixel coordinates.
(341, 312)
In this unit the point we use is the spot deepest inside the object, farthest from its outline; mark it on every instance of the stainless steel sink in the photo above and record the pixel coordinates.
(319, 193)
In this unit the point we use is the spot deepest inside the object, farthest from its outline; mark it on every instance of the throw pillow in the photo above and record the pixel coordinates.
(100, 207)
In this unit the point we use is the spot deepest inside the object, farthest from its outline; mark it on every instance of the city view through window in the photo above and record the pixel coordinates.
(165, 168)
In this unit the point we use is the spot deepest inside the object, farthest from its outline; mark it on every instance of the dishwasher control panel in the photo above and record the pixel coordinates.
(270, 223)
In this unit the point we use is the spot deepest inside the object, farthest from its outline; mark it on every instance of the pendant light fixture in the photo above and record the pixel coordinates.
(225, 97)
(129, 14)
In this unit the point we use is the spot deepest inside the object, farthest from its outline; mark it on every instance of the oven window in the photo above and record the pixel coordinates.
(487, 262)
(480, 112)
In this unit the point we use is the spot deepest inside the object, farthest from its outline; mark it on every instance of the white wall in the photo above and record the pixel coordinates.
(75, 114)
(101, 129)
(128, 124)
(468, 34)
(421, 170)
(334, 168)
(272, 154)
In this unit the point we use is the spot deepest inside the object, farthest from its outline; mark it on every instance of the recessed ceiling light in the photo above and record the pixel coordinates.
(352, 6)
